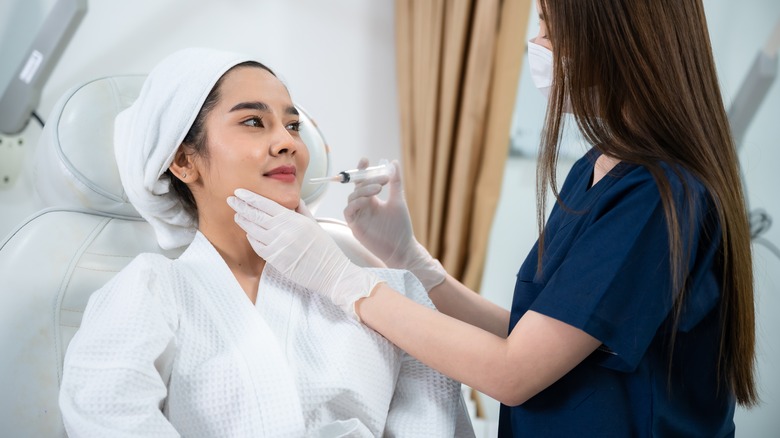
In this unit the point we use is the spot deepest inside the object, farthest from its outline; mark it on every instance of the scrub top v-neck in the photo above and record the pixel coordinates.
(606, 271)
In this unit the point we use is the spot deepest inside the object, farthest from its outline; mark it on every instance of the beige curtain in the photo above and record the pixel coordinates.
(458, 67)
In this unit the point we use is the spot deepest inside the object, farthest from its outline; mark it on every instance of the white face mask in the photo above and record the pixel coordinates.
(540, 61)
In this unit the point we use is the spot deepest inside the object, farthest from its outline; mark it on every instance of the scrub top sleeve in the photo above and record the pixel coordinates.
(614, 282)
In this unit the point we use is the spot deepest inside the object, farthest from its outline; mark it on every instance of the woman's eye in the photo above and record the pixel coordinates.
(294, 126)
(255, 122)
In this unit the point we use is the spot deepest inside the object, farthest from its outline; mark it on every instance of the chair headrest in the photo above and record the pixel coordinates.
(75, 165)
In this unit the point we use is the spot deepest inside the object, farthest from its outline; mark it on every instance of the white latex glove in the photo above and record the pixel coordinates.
(385, 227)
(301, 250)
(304, 210)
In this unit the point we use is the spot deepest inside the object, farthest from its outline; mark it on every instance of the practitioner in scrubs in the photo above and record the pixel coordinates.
(217, 343)
(633, 314)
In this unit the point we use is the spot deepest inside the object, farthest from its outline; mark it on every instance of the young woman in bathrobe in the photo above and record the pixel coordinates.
(216, 342)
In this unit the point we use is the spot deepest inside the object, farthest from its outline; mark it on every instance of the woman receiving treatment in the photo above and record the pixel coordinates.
(216, 342)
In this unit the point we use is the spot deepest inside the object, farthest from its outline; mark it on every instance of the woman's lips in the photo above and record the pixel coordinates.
(282, 173)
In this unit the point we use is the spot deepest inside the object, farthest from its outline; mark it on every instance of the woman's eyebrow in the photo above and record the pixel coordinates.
(257, 106)
(261, 106)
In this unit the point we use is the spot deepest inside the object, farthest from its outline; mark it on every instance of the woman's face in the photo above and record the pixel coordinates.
(542, 38)
(252, 141)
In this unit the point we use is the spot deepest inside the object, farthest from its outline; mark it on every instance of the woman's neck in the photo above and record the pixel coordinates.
(602, 167)
(232, 244)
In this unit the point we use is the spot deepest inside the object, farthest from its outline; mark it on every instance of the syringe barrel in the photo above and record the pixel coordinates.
(357, 175)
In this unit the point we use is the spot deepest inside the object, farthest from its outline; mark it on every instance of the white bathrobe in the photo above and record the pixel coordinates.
(175, 348)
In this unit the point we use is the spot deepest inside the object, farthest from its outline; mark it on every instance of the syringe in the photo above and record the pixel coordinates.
(356, 175)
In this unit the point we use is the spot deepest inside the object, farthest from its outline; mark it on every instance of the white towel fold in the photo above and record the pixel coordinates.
(148, 133)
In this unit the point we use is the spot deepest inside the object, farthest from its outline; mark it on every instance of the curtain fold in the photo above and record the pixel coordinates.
(458, 66)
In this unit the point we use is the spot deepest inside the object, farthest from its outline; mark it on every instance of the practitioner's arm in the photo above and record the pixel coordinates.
(453, 298)
(538, 352)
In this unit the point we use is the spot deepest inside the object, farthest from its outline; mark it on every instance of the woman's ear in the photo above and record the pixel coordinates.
(183, 166)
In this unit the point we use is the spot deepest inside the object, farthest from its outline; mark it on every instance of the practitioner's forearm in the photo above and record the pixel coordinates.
(456, 300)
(436, 339)
(539, 352)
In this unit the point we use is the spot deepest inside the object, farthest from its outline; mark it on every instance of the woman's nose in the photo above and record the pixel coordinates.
(541, 37)
(283, 143)
(537, 39)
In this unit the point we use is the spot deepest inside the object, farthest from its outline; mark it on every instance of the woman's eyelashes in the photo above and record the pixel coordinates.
(257, 122)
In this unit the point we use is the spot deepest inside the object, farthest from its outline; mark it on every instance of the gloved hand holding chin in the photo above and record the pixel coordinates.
(301, 250)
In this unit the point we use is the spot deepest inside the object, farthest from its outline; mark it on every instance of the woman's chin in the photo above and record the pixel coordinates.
(289, 202)
(286, 198)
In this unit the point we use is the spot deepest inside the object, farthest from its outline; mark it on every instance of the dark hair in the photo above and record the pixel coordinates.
(195, 140)
(642, 84)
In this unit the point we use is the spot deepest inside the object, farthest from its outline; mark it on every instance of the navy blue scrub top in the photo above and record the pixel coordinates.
(606, 271)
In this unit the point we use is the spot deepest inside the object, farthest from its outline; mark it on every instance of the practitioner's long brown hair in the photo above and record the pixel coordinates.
(641, 81)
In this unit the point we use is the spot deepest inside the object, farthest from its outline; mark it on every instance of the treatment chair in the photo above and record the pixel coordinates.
(52, 262)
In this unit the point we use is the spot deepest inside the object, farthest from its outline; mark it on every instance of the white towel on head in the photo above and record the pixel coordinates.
(148, 133)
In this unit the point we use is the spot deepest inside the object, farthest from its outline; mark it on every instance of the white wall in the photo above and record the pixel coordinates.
(337, 57)
(738, 30)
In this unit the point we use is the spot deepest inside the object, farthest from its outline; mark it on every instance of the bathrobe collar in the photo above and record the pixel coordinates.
(265, 363)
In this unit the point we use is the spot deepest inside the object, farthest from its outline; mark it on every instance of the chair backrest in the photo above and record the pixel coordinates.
(53, 261)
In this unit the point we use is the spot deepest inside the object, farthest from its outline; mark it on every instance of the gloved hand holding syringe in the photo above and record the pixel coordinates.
(356, 175)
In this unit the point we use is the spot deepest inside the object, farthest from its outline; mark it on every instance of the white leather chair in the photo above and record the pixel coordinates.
(53, 261)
